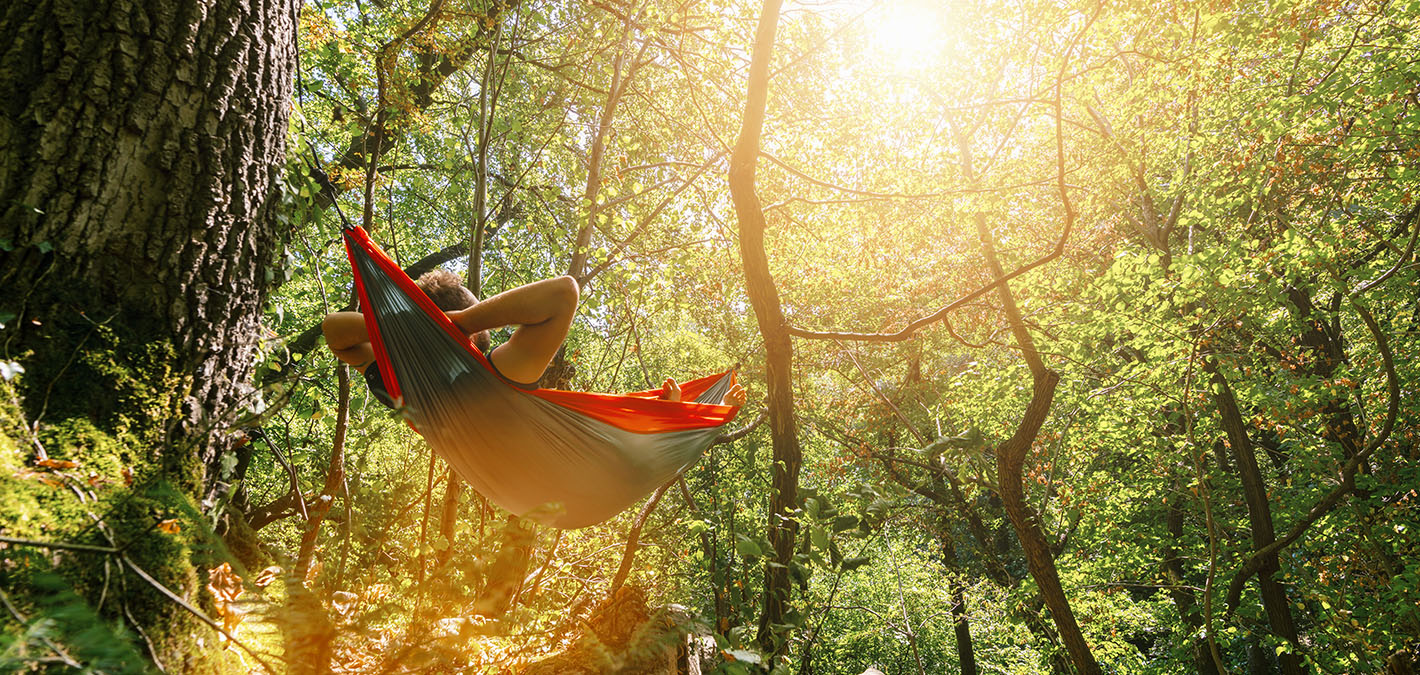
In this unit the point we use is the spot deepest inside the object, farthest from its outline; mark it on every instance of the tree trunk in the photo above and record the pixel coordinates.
(779, 351)
(505, 575)
(1010, 464)
(141, 144)
(1274, 594)
(1010, 461)
(1182, 593)
(966, 655)
(140, 147)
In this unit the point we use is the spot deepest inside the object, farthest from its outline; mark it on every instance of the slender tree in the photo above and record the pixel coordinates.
(779, 350)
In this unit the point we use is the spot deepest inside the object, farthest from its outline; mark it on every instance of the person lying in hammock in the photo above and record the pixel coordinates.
(542, 311)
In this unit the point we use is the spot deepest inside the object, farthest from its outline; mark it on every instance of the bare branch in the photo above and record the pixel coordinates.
(737, 434)
(911, 329)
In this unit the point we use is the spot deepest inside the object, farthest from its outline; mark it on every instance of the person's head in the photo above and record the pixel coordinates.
(447, 291)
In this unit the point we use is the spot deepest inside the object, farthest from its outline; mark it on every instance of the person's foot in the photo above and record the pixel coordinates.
(670, 390)
(735, 397)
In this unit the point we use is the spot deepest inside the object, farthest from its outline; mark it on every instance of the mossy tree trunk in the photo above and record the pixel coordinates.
(140, 146)
(140, 149)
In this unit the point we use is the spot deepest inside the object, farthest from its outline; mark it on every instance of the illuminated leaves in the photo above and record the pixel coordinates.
(226, 587)
(1293, 173)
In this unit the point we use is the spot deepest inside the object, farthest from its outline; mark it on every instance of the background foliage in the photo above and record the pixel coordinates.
(1244, 176)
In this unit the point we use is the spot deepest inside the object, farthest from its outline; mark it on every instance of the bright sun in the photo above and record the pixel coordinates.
(910, 33)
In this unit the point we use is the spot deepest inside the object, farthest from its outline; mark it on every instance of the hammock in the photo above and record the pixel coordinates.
(570, 459)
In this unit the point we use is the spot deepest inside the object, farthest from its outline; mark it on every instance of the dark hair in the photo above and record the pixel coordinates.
(447, 291)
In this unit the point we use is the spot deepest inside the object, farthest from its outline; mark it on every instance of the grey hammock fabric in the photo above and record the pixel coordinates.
(568, 459)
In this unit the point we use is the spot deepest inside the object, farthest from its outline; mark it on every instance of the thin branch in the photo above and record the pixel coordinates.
(59, 545)
(886, 401)
(645, 223)
(20, 617)
(1409, 250)
(842, 188)
(737, 434)
(193, 610)
(633, 538)
(911, 329)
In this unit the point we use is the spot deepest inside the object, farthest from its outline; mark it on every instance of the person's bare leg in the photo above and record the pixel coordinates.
(670, 391)
(542, 311)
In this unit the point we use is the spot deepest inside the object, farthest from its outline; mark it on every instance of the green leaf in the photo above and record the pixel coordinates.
(850, 564)
(743, 655)
(746, 546)
(843, 523)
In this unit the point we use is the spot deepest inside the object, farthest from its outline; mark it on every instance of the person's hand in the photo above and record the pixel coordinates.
(735, 397)
(670, 390)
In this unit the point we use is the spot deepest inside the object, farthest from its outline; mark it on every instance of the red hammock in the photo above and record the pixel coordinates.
(570, 459)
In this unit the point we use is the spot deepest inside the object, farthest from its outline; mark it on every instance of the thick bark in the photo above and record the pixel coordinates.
(141, 143)
(140, 146)
(1259, 512)
(779, 351)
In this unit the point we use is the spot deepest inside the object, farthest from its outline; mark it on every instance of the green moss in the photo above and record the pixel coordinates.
(110, 482)
(124, 384)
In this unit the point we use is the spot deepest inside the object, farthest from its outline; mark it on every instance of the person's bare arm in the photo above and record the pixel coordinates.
(347, 338)
(543, 312)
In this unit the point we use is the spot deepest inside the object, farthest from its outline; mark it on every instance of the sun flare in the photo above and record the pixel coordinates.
(911, 34)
